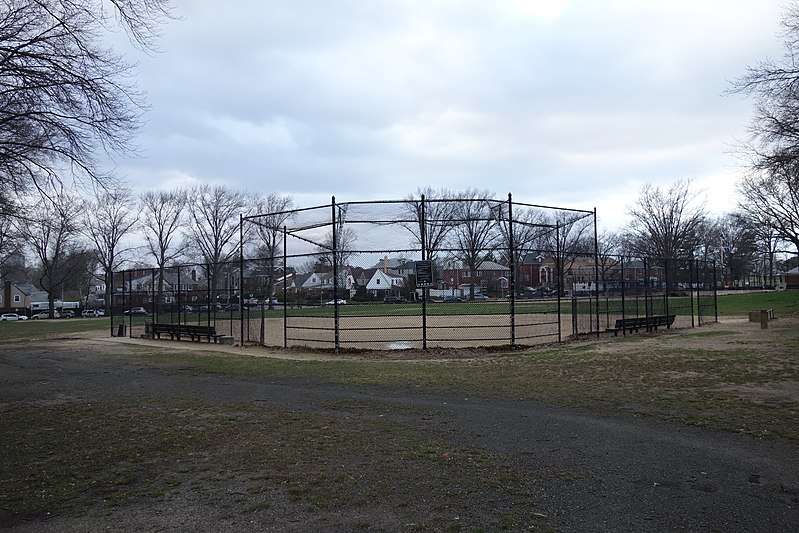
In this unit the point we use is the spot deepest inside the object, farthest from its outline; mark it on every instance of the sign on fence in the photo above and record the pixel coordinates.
(424, 273)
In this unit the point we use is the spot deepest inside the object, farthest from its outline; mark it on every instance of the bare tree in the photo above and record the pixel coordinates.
(666, 223)
(83, 263)
(519, 233)
(11, 243)
(339, 252)
(275, 213)
(775, 87)
(111, 215)
(64, 94)
(52, 233)
(607, 253)
(574, 237)
(214, 229)
(161, 217)
(474, 231)
(771, 198)
(768, 243)
(770, 190)
(438, 211)
(736, 244)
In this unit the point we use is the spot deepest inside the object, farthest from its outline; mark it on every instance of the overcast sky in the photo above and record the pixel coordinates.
(568, 103)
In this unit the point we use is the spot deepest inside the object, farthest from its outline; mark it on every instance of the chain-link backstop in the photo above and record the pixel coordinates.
(416, 273)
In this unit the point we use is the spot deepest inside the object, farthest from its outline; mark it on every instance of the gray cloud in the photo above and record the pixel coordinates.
(574, 102)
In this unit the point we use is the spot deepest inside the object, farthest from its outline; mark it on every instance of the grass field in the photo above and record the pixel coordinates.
(784, 303)
(37, 329)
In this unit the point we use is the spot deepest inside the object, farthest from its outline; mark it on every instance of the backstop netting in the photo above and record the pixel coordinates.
(416, 273)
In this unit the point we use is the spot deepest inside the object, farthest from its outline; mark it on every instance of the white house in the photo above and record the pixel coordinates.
(385, 281)
(317, 280)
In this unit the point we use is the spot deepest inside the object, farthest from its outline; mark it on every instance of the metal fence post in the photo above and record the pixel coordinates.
(667, 293)
(692, 264)
(596, 271)
(335, 275)
(559, 276)
(623, 294)
(425, 256)
(241, 280)
(715, 294)
(512, 252)
(647, 289)
(285, 290)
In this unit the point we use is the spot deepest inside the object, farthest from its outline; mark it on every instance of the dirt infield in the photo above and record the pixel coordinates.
(406, 332)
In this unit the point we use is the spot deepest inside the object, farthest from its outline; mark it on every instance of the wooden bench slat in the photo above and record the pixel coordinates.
(635, 323)
(185, 330)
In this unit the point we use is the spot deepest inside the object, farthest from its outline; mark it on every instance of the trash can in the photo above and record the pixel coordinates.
(121, 330)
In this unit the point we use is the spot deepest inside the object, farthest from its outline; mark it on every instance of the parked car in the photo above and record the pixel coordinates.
(67, 314)
(480, 297)
(136, 311)
(266, 302)
(92, 313)
(45, 314)
(340, 301)
(233, 307)
(10, 317)
(540, 292)
(452, 299)
(394, 300)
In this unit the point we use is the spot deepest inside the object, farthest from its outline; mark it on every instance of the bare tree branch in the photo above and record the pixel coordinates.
(110, 217)
(64, 96)
(666, 223)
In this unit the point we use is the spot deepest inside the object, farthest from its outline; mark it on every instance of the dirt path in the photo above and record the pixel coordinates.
(553, 468)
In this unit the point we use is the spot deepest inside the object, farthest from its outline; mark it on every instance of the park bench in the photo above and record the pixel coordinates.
(180, 331)
(649, 323)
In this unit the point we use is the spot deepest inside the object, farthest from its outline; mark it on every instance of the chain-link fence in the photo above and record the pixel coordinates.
(418, 273)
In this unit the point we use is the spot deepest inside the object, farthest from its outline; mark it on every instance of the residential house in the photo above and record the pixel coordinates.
(537, 270)
(406, 269)
(385, 281)
(391, 263)
(528, 273)
(636, 274)
(792, 278)
(16, 297)
(318, 284)
(363, 275)
(143, 289)
(287, 283)
(490, 277)
(579, 273)
(22, 297)
(257, 277)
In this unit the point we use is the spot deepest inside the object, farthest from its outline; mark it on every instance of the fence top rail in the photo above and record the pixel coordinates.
(344, 205)
(287, 212)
